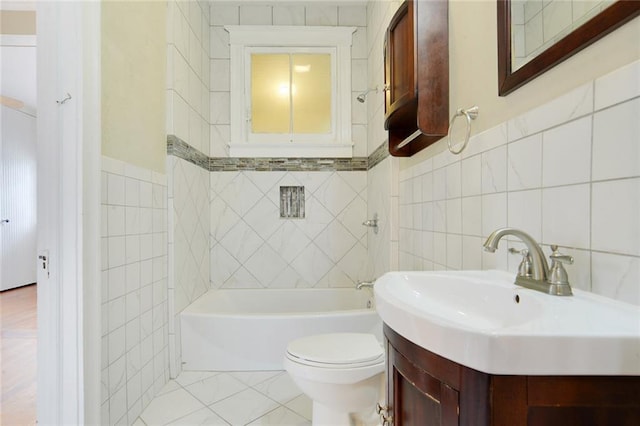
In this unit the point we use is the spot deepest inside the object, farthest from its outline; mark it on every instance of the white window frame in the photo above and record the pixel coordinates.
(245, 39)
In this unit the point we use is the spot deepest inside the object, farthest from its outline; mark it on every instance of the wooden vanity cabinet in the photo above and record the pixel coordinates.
(416, 58)
(425, 389)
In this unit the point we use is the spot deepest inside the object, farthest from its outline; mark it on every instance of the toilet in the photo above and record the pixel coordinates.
(342, 373)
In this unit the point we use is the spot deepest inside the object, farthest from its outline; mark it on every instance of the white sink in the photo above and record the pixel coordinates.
(482, 320)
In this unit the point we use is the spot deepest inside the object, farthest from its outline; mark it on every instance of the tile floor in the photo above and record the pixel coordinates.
(228, 398)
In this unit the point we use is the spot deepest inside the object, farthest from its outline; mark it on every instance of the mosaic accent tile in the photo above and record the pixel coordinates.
(288, 164)
(181, 149)
(292, 202)
(378, 155)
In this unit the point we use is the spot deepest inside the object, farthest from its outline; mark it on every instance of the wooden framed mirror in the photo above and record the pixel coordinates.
(514, 72)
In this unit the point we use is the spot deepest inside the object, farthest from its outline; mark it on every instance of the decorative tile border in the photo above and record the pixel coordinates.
(179, 148)
(288, 164)
(378, 155)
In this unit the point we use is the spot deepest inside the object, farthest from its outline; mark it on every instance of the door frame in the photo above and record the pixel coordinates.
(69, 323)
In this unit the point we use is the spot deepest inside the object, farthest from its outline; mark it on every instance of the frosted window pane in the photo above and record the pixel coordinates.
(312, 98)
(270, 98)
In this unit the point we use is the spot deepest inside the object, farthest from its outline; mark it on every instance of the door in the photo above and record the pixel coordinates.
(18, 163)
(399, 59)
(417, 397)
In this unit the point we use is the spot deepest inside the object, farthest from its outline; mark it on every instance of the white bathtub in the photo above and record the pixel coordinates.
(227, 330)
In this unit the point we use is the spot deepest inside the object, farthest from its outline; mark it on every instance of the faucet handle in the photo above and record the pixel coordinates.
(556, 256)
(524, 269)
(557, 274)
(523, 252)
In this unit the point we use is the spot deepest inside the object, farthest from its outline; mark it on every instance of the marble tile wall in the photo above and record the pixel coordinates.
(188, 244)
(135, 356)
(188, 73)
(188, 79)
(252, 247)
(382, 200)
(298, 13)
(382, 177)
(567, 173)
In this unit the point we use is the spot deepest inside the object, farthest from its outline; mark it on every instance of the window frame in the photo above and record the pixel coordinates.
(243, 41)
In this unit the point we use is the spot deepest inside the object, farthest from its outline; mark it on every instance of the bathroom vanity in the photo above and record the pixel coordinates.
(426, 389)
(473, 348)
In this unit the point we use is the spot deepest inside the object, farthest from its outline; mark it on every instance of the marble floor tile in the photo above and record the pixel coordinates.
(281, 416)
(215, 388)
(252, 378)
(302, 405)
(238, 398)
(280, 388)
(169, 407)
(187, 378)
(201, 417)
(244, 407)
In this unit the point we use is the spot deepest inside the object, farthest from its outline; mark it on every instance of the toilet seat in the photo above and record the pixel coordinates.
(337, 350)
(339, 358)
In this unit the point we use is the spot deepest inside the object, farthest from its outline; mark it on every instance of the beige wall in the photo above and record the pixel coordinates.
(19, 22)
(134, 60)
(474, 69)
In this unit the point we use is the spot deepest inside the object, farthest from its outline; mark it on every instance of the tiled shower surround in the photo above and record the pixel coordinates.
(135, 351)
(567, 173)
(252, 247)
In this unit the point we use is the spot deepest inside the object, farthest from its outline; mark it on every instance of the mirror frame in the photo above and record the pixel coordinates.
(597, 27)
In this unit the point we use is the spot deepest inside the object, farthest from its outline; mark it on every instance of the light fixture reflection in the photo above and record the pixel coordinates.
(283, 89)
(302, 68)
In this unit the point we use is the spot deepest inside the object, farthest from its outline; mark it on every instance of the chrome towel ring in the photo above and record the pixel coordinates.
(470, 114)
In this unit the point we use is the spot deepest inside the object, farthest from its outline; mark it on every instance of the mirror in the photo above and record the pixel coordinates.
(568, 27)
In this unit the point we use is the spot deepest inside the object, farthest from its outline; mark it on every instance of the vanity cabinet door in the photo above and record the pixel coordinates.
(400, 60)
(426, 389)
(419, 398)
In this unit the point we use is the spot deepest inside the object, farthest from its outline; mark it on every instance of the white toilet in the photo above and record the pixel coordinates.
(343, 373)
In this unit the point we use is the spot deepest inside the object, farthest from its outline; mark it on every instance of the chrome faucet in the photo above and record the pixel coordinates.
(362, 284)
(533, 272)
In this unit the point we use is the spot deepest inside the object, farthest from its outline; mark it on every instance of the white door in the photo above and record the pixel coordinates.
(18, 163)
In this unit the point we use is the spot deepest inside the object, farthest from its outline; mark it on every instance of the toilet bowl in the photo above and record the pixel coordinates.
(342, 373)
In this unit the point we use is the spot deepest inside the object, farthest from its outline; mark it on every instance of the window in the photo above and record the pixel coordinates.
(290, 91)
(291, 95)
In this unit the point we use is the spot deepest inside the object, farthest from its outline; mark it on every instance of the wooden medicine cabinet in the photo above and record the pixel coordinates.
(416, 60)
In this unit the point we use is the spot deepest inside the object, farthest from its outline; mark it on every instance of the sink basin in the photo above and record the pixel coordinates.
(482, 320)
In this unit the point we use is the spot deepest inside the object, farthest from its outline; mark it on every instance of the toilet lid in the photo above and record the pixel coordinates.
(337, 348)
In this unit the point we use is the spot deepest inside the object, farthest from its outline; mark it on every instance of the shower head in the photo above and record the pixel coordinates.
(363, 96)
